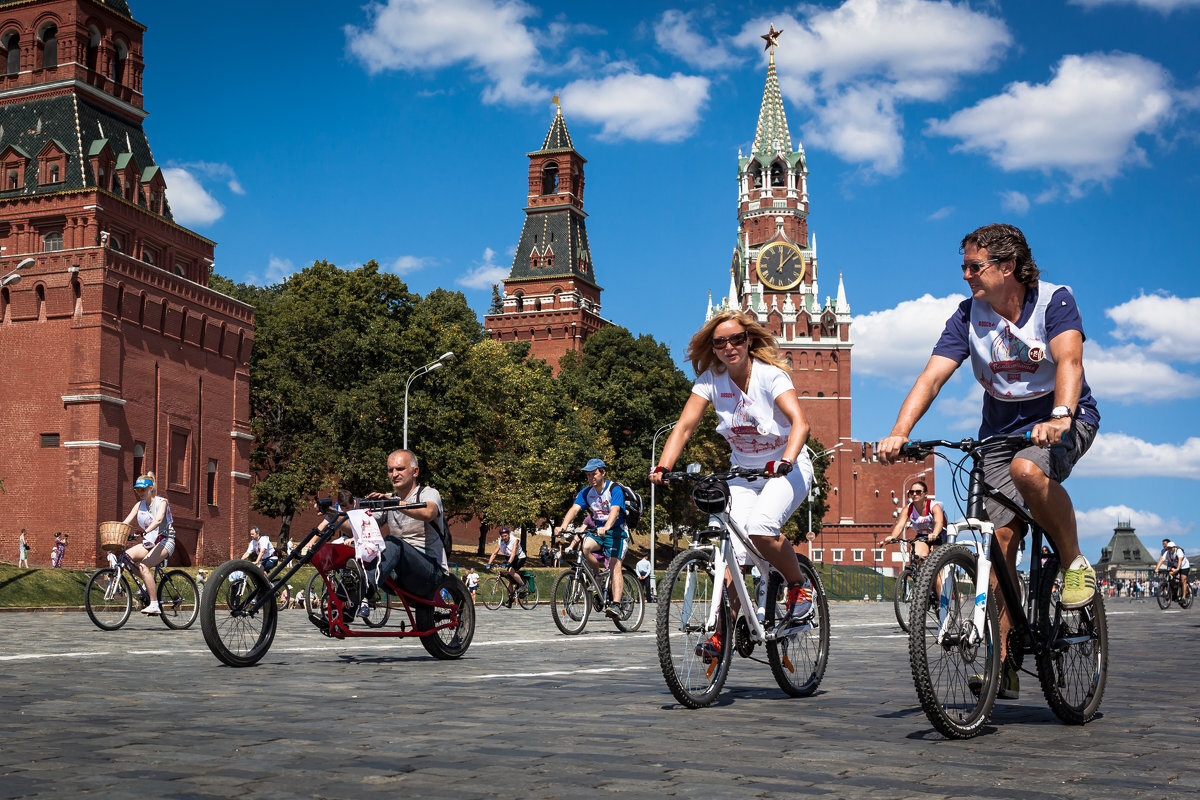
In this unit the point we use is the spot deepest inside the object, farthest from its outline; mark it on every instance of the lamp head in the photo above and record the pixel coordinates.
(446, 355)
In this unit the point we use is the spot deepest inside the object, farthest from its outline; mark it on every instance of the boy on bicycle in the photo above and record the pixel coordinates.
(606, 506)
(1025, 341)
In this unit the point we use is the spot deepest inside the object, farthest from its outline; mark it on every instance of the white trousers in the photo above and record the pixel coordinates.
(761, 507)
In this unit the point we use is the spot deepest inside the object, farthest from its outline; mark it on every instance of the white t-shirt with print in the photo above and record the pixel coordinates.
(756, 429)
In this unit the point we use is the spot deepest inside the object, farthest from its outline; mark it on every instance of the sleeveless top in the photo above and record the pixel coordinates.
(145, 518)
(922, 524)
(1011, 362)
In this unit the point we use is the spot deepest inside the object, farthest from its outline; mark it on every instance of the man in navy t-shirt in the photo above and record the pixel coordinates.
(1025, 339)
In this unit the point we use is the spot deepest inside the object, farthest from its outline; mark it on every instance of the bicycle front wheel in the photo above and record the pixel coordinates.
(955, 667)
(379, 609)
(1164, 595)
(694, 674)
(108, 601)
(493, 593)
(632, 608)
(177, 598)
(569, 603)
(798, 659)
(529, 600)
(236, 634)
(1073, 667)
(904, 593)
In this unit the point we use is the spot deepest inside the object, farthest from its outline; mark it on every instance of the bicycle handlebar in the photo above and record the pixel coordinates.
(920, 448)
(734, 472)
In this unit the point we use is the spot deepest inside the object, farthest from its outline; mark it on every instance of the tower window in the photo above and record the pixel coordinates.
(93, 48)
(14, 179)
(550, 179)
(210, 491)
(118, 64)
(12, 50)
(50, 46)
(776, 175)
(52, 241)
(139, 458)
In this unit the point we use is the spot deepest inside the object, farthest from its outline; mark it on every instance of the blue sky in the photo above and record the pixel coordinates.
(397, 131)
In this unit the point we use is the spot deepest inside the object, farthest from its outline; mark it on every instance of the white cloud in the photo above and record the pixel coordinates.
(1119, 455)
(1014, 201)
(1097, 525)
(279, 269)
(941, 213)
(1167, 322)
(639, 107)
(1165, 6)
(406, 264)
(214, 171)
(674, 33)
(484, 273)
(852, 65)
(1128, 374)
(487, 35)
(896, 343)
(1085, 121)
(191, 204)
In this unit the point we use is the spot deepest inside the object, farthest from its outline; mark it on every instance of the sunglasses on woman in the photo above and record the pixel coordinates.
(737, 340)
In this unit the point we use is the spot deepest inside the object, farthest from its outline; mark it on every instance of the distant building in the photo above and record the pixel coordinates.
(1125, 556)
(773, 277)
(117, 357)
(551, 298)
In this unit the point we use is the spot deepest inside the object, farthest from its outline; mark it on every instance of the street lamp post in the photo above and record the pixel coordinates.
(815, 491)
(653, 445)
(416, 373)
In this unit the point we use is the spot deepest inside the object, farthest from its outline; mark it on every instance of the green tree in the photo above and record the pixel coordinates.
(324, 359)
(497, 304)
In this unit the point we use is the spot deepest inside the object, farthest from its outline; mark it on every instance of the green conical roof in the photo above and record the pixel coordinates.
(558, 137)
(772, 135)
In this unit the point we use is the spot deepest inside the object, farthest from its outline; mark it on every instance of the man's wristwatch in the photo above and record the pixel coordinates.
(1060, 412)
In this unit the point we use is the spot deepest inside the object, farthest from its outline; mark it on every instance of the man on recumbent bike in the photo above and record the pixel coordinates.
(414, 552)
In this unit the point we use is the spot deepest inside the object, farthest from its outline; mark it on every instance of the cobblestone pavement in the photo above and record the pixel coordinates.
(531, 713)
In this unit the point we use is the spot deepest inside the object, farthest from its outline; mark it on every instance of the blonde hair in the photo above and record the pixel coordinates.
(762, 344)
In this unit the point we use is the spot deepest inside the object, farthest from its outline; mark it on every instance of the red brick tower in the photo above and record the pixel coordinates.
(551, 298)
(117, 357)
(774, 278)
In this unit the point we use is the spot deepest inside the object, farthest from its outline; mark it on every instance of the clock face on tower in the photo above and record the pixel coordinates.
(780, 266)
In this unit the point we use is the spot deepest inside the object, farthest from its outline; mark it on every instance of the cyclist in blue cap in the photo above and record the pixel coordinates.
(153, 516)
(605, 503)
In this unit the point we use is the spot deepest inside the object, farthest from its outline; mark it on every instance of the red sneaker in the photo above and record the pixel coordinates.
(799, 600)
(710, 647)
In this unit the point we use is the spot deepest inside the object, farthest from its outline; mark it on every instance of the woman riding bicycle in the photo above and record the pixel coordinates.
(743, 376)
(926, 517)
(153, 516)
(509, 546)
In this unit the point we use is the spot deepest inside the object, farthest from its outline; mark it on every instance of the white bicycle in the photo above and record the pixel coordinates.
(693, 606)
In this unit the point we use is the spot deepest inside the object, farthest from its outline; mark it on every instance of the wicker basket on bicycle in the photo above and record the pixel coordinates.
(114, 535)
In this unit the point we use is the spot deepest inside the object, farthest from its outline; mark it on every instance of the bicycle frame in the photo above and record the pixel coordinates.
(983, 534)
(591, 578)
(125, 564)
(327, 557)
(724, 557)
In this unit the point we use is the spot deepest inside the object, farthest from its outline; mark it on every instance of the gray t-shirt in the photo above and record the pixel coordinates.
(420, 535)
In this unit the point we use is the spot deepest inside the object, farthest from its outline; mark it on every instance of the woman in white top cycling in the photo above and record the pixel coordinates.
(153, 517)
(743, 376)
(926, 517)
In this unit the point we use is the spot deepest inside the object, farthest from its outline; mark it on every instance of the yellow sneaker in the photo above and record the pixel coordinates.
(1079, 583)
(1010, 684)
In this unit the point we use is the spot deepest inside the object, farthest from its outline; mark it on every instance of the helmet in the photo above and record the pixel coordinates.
(711, 495)
(143, 483)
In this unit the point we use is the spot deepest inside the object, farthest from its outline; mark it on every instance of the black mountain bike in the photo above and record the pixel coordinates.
(1170, 587)
(954, 629)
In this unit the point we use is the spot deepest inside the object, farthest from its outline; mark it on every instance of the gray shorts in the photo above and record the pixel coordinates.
(1056, 461)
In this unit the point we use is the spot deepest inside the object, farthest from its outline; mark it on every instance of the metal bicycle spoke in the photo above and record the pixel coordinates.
(799, 657)
(236, 633)
(1073, 669)
(693, 673)
(569, 603)
(956, 669)
(108, 600)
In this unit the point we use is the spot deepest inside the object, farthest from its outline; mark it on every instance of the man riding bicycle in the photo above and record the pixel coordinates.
(606, 506)
(509, 546)
(414, 552)
(1025, 340)
(1177, 564)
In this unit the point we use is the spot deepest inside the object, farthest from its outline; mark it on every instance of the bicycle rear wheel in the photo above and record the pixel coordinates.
(798, 660)
(107, 600)
(569, 603)
(177, 598)
(955, 668)
(905, 583)
(1186, 602)
(684, 605)
(530, 599)
(1073, 668)
(493, 593)
(632, 606)
(451, 641)
(235, 635)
